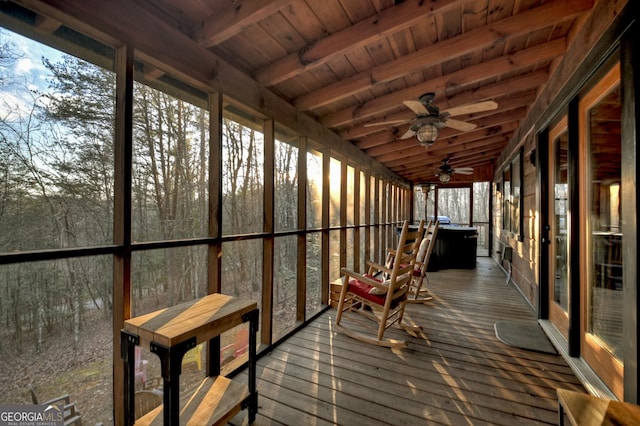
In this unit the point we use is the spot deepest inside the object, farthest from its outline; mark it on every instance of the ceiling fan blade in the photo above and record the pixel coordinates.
(417, 107)
(388, 123)
(408, 134)
(459, 125)
(472, 108)
(463, 171)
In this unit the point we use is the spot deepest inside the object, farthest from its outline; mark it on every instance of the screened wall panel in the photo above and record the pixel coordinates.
(285, 182)
(170, 159)
(56, 149)
(56, 180)
(242, 173)
(284, 285)
(314, 190)
(313, 274)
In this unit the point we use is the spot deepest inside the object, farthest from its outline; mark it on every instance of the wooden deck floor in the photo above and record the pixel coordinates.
(459, 374)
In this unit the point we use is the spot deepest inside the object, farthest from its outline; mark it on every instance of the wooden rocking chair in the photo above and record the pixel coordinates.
(417, 294)
(379, 299)
(70, 412)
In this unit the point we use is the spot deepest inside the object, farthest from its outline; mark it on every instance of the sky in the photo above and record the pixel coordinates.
(27, 71)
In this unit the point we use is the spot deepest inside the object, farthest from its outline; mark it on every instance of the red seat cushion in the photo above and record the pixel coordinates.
(362, 289)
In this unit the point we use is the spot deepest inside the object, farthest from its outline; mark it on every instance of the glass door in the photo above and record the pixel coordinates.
(558, 232)
(601, 283)
(480, 218)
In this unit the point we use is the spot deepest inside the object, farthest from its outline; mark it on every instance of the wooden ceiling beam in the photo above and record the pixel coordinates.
(48, 25)
(496, 32)
(381, 104)
(368, 30)
(467, 157)
(152, 73)
(464, 146)
(233, 19)
(391, 136)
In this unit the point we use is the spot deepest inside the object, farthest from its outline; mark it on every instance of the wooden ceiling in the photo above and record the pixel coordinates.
(351, 62)
(346, 63)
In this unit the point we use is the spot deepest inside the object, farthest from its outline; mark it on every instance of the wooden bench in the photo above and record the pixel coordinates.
(587, 410)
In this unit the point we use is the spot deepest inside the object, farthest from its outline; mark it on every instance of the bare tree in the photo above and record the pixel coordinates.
(170, 168)
(242, 206)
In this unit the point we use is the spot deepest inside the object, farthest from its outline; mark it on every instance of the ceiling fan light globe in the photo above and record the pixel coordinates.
(427, 134)
(444, 177)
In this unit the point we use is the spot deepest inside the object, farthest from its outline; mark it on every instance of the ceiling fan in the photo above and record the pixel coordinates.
(429, 120)
(445, 171)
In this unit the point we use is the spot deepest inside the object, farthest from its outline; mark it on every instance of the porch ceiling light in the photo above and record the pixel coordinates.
(444, 177)
(427, 134)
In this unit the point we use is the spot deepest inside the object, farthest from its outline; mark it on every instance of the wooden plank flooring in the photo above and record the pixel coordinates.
(457, 373)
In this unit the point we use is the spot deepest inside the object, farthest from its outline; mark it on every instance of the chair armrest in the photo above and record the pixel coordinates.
(363, 278)
(226, 350)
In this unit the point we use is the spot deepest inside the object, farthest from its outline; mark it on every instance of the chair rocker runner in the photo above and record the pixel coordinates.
(379, 299)
(417, 294)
